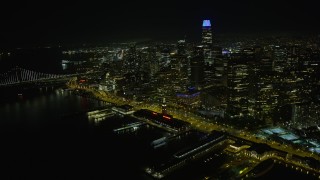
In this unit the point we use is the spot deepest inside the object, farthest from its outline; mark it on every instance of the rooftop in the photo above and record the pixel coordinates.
(206, 23)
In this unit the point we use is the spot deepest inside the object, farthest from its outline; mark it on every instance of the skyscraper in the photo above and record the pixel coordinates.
(197, 68)
(181, 47)
(207, 41)
(237, 86)
(130, 60)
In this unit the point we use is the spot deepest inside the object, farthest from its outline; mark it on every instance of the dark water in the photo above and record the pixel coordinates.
(38, 108)
(44, 135)
(39, 139)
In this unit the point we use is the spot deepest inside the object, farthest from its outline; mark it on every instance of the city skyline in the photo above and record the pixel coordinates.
(248, 112)
(31, 23)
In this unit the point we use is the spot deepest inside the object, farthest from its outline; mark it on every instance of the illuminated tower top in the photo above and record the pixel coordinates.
(206, 23)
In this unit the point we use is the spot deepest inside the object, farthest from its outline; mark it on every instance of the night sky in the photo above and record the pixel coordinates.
(27, 23)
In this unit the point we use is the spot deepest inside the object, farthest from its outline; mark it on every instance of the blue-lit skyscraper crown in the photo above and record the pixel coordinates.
(206, 23)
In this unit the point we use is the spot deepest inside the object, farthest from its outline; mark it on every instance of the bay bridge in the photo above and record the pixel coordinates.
(19, 76)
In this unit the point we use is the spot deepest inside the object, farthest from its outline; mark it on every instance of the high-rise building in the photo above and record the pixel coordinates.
(238, 86)
(130, 60)
(197, 68)
(207, 41)
(279, 58)
(181, 47)
(153, 61)
(220, 71)
(179, 67)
